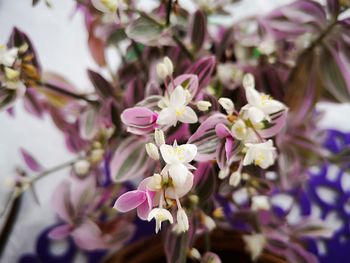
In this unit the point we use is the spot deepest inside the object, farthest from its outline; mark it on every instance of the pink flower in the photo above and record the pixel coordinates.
(142, 199)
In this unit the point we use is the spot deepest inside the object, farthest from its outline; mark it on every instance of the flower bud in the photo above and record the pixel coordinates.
(260, 202)
(227, 104)
(81, 167)
(182, 220)
(203, 105)
(194, 253)
(159, 137)
(248, 81)
(169, 65)
(162, 71)
(208, 222)
(152, 151)
(96, 155)
(235, 178)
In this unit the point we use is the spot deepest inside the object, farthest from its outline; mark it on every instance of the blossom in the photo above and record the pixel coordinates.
(175, 108)
(106, 6)
(261, 154)
(142, 199)
(159, 137)
(235, 178)
(81, 167)
(160, 215)
(139, 120)
(255, 244)
(177, 158)
(260, 105)
(182, 220)
(7, 56)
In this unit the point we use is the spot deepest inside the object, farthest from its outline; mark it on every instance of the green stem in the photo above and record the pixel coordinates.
(67, 93)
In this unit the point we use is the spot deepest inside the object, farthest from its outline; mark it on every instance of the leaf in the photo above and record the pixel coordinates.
(102, 86)
(207, 183)
(97, 47)
(89, 124)
(30, 161)
(144, 30)
(198, 29)
(130, 159)
(205, 137)
(334, 74)
(333, 7)
(204, 69)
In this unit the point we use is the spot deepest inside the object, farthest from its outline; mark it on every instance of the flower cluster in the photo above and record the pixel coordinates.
(197, 129)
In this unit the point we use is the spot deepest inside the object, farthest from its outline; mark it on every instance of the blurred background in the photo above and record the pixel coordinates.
(59, 35)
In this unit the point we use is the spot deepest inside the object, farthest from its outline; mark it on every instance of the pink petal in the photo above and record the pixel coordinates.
(130, 200)
(60, 232)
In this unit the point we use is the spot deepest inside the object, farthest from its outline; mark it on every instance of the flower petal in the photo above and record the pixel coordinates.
(178, 173)
(189, 116)
(130, 200)
(253, 96)
(178, 96)
(168, 154)
(167, 116)
(189, 151)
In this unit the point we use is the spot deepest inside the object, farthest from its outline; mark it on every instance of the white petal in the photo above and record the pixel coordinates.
(253, 96)
(255, 115)
(189, 116)
(189, 151)
(273, 106)
(169, 65)
(167, 116)
(168, 154)
(178, 172)
(248, 158)
(178, 97)
(180, 192)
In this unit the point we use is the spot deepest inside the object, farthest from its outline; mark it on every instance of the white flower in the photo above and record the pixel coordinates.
(194, 253)
(155, 183)
(261, 154)
(160, 215)
(165, 68)
(260, 202)
(255, 244)
(152, 151)
(227, 104)
(7, 56)
(203, 105)
(177, 159)
(182, 221)
(175, 109)
(235, 178)
(260, 105)
(159, 137)
(81, 167)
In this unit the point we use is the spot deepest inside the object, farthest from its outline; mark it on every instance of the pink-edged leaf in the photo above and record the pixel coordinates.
(30, 161)
(102, 86)
(150, 102)
(130, 159)
(88, 236)
(32, 103)
(134, 92)
(312, 228)
(204, 69)
(296, 253)
(278, 121)
(187, 81)
(97, 47)
(206, 139)
(60, 232)
(198, 29)
(61, 202)
(222, 131)
(207, 181)
(227, 152)
(89, 124)
(139, 120)
(130, 200)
